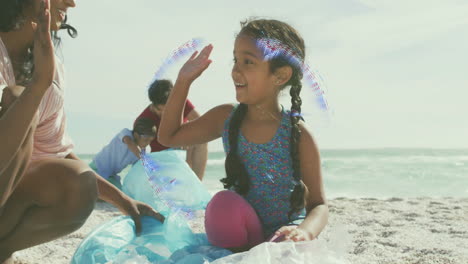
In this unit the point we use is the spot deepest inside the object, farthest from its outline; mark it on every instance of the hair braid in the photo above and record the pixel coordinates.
(236, 174)
(297, 196)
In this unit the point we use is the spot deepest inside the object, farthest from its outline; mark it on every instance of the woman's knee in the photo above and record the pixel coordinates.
(80, 193)
(67, 185)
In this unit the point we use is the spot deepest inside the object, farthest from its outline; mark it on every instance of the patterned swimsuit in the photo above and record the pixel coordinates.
(271, 175)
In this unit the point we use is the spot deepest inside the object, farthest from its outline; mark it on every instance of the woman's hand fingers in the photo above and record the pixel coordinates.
(138, 209)
(44, 59)
(135, 215)
(43, 26)
(149, 211)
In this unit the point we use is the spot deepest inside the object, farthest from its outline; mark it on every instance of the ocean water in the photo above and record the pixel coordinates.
(376, 173)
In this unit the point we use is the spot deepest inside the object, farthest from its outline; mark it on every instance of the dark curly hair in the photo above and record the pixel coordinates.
(144, 126)
(159, 91)
(11, 19)
(236, 174)
(11, 14)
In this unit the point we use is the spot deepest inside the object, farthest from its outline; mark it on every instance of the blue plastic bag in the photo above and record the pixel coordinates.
(175, 186)
(175, 191)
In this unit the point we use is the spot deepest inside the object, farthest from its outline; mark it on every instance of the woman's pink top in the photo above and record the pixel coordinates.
(50, 137)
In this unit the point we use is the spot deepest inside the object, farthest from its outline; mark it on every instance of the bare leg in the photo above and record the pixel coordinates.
(54, 198)
(197, 156)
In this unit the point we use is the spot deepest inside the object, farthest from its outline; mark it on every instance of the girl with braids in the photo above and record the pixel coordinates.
(274, 182)
(45, 190)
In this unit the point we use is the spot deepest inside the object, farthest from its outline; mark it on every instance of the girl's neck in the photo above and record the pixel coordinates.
(264, 112)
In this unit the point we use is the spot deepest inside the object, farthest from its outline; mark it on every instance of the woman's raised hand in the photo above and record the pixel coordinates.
(44, 59)
(196, 65)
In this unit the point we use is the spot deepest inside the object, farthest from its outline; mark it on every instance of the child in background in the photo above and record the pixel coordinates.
(158, 93)
(275, 190)
(123, 150)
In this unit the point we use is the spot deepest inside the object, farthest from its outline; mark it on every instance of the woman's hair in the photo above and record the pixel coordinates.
(144, 126)
(11, 19)
(237, 175)
(11, 11)
(159, 91)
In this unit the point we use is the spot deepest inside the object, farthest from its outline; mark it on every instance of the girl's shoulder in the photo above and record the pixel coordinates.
(224, 111)
(216, 117)
(307, 141)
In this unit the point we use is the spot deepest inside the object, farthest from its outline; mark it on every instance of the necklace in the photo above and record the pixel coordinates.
(266, 112)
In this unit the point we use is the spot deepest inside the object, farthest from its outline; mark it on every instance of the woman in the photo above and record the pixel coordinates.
(45, 191)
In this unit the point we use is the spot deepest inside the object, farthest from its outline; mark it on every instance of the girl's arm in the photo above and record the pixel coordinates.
(172, 132)
(132, 146)
(316, 205)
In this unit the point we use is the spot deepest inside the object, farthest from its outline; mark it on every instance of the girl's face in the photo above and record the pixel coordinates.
(251, 73)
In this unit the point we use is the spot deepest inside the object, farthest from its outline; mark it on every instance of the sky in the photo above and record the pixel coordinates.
(395, 71)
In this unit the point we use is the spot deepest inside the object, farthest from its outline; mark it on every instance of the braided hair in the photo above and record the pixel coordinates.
(236, 173)
(11, 19)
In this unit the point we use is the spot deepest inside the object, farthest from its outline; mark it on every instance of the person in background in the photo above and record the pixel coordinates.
(158, 93)
(123, 150)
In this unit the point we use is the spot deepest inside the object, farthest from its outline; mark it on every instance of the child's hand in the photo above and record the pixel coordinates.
(292, 233)
(196, 65)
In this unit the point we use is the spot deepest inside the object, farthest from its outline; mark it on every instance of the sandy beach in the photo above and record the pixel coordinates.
(414, 231)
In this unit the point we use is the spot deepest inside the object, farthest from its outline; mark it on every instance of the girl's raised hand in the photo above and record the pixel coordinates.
(196, 65)
(44, 60)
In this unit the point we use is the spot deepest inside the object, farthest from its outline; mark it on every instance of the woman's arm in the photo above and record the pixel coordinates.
(16, 120)
(124, 203)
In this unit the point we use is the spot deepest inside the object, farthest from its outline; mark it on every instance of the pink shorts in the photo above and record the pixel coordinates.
(231, 222)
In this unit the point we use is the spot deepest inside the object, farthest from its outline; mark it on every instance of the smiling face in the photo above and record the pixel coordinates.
(251, 73)
(58, 12)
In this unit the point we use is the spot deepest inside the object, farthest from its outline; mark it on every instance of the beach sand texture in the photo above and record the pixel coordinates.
(410, 230)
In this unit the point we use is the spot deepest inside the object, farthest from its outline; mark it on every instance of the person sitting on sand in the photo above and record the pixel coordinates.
(123, 150)
(46, 191)
(158, 92)
(274, 182)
